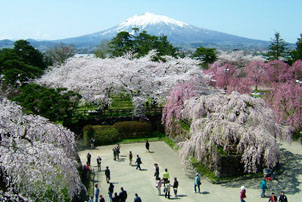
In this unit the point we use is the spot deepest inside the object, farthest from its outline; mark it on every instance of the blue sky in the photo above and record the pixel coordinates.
(56, 19)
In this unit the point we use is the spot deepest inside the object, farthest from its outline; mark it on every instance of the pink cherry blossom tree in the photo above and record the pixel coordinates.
(286, 100)
(277, 71)
(255, 72)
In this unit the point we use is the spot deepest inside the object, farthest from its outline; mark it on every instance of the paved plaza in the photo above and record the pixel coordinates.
(143, 182)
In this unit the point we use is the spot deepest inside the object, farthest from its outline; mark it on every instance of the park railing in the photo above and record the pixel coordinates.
(120, 113)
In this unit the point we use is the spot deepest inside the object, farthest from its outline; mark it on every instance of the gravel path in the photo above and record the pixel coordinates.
(143, 182)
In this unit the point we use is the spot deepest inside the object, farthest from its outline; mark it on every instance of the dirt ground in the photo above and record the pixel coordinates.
(143, 182)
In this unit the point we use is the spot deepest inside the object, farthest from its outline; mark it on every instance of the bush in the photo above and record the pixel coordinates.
(103, 134)
(133, 129)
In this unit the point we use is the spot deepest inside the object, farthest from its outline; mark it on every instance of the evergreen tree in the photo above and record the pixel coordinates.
(121, 44)
(297, 53)
(277, 48)
(206, 55)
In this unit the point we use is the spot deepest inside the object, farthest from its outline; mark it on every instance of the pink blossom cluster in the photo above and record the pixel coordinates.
(282, 80)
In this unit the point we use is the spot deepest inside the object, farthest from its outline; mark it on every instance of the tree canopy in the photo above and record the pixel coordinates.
(54, 104)
(277, 48)
(20, 64)
(140, 45)
(296, 54)
(206, 55)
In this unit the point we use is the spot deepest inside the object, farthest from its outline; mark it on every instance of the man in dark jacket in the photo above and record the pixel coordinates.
(137, 198)
(123, 195)
(138, 162)
(282, 197)
(107, 174)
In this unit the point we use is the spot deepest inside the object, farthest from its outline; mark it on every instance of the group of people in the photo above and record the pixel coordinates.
(263, 186)
(165, 182)
(113, 196)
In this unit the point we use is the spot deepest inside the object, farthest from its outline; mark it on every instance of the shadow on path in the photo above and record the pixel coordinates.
(290, 168)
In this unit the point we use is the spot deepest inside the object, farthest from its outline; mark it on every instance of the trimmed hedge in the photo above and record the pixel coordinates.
(133, 129)
(103, 134)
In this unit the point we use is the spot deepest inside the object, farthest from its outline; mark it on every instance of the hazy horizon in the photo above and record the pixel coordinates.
(50, 20)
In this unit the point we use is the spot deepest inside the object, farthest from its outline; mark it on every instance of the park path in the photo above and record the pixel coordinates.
(143, 182)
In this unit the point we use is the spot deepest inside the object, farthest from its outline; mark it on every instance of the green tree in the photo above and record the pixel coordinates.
(205, 55)
(277, 48)
(103, 50)
(296, 54)
(164, 47)
(28, 54)
(121, 44)
(20, 64)
(140, 44)
(60, 52)
(58, 105)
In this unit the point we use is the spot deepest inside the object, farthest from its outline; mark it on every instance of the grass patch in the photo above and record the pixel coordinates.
(184, 125)
(170, 143)
(204, 171)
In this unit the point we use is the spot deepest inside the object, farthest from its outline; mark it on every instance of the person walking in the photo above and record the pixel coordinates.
(138, 162)
(158, 186)
(166, 176)
(96, 192)
(123, 195)
(197, 182)
(90, 199)
(114, 153)
(156, 171)
(89, 158)
(137, 198)
(282, 197)
(92, 141)
(168, 190)
(147, 146)
(107, 174)
(130, 158)
(110, 191)
(99, 161)
(175, 186)
(242, 194)
(118, 151)
(272, 198)
(116, 198)
(102, 198)
(263, 187)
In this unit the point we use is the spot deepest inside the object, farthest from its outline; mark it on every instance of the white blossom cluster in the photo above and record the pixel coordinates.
(97, 79)
(229, 121)
(238, 58)
(36, 156)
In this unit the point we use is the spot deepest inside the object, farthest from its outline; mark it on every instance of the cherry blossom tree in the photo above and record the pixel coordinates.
(175, 103)
(97, 80)
(255, 72)
(228, 77)
(277, 71)
(286, 100)
(38, 159)
(296, 71)
(232, 121)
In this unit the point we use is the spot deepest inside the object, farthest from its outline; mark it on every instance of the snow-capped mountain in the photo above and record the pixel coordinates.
(179, 33)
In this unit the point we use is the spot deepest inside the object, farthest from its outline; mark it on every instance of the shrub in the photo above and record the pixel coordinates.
(133, 129)
(103, 135)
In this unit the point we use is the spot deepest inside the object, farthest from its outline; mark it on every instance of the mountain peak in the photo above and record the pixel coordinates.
(150, 18)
